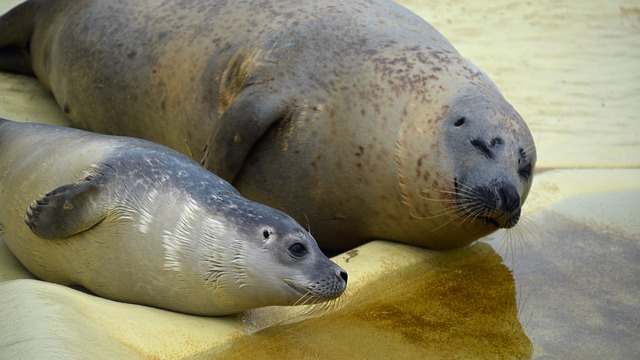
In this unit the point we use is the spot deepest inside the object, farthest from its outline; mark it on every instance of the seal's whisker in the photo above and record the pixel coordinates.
(528, 230)
(462, 187)
(308, 223)
(534, 233)
(506, 249)
(475, 210)
(518, 243)
(304, 299)
(529, 150)
(189, 153)
(516, 239)
(332, 305)
(305, 308)
(469, 210)
(458, 215)
(315, 306)
(445, 212)
(318, 306)
(461, 203)
(516, 236)
(442, 200)
(441, 213)
(473, 213)
(465, 199)
(463, 196)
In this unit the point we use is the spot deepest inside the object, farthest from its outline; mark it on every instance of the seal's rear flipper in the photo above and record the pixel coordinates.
(72, 208)
(16, 29)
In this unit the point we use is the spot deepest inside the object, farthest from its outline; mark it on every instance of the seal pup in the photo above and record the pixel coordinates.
(137, 222)
(357, 115)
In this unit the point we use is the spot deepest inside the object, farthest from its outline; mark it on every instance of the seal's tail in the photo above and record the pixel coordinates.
(16, 29)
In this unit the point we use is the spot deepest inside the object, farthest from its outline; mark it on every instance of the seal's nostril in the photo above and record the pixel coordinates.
(344, 276)
(509, 199)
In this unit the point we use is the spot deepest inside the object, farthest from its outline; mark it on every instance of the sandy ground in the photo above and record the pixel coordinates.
(563, 284)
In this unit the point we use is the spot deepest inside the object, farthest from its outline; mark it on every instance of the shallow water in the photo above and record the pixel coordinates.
(562, 284)
(443, 305)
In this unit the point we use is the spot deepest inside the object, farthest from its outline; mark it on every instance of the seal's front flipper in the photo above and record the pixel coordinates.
(72, 208)
(248, 109)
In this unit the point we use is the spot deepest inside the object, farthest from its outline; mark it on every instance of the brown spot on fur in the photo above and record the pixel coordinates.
(404, 73)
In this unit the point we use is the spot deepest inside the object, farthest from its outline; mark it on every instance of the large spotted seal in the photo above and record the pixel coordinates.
(356, 115)
(134, 221)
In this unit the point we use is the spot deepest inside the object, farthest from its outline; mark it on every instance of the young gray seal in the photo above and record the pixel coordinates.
(356, 115)
(137, 222)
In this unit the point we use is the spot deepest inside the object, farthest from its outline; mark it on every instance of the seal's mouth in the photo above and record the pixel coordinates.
(301, 290)
(489, 221)
(501, 220)
(496, 206)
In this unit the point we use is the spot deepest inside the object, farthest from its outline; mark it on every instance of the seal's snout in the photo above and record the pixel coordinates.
(500, 205)
(509, 206)
(330, 287)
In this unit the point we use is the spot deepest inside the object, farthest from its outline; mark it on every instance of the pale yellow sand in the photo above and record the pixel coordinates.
(563, 284)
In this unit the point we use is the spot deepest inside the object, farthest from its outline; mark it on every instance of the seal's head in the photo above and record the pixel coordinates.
(485, 158)
(495, 160)
(270, 260)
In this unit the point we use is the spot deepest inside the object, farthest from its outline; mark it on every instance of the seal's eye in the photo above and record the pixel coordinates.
(525, 171)
(459, 122)
(298, 250)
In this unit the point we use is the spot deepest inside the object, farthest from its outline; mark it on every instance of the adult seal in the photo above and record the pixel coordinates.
(356, 116)
(137, 222)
